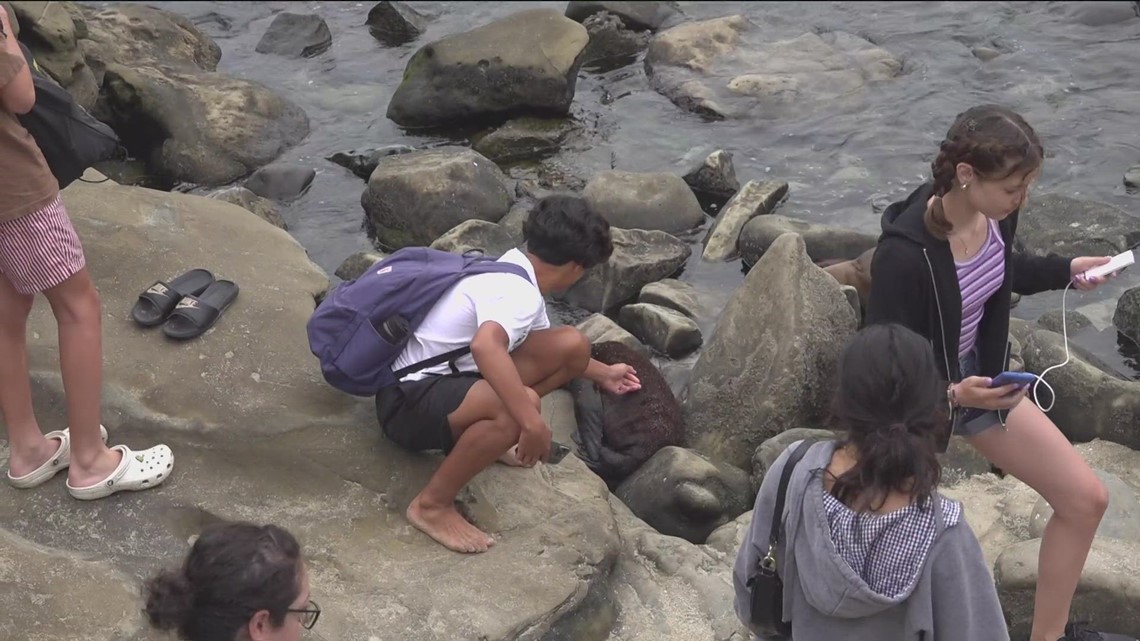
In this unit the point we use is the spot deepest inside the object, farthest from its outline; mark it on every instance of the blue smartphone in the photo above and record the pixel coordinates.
(1013, 378)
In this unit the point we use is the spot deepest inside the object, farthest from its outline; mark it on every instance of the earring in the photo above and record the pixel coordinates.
(965, 185)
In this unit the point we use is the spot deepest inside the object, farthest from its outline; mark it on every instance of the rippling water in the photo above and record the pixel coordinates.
(1078, 85)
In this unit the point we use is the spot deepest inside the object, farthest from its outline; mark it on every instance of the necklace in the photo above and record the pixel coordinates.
(961, 239)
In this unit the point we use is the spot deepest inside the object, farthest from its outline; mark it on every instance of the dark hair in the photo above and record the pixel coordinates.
(233, 570)
(565, 229)
(891, 402)
(995, 141)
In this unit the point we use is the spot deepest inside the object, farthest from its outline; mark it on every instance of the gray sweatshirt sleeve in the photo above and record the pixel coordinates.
(755, 543)
(964, 599)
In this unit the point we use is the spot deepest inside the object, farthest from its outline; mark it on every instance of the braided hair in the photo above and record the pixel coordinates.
(995, 141)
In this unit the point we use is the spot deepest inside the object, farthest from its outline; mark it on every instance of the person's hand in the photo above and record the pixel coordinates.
(1081, 265)
(975, 391)
(534, 444)
(620, 378)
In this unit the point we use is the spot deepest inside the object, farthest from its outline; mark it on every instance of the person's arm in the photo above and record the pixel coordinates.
(17, 92)
(489, 348)
(900, 282)
(964, 601)
(1035, 274)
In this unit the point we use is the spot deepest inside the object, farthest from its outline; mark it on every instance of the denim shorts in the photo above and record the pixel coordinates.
(972, 421)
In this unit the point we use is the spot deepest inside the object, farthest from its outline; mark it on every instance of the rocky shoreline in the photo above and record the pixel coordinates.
(260, 436)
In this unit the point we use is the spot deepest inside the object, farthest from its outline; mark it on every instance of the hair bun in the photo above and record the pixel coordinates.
(898, 428)
(169, 599)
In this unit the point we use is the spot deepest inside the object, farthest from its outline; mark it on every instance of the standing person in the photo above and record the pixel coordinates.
(40, 253)
(480, 405)
(945, 267)
(870, 550)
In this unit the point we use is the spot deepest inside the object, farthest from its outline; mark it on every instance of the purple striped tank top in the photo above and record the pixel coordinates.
(978, 278)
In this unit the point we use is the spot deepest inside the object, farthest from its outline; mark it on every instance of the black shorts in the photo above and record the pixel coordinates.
(414, 414)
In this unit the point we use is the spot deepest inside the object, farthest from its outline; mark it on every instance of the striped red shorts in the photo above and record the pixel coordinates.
(40, 250)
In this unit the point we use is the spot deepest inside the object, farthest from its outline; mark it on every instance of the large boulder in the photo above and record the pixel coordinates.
(52, 30)
(665, 330)
(161, 93)
(771, 361)
(611, 44)
(525, 63)
(755, 199)
(265, 209)
(640, 257)
(772, 448)
(479, 235)
(1126, 318)
(637, 16)
(601, 329)
(726, 68)
(655, 201)
(1053, 223)
(414, 198)
(674, 294)
(523, 139)
(823, 242)
(684, 494)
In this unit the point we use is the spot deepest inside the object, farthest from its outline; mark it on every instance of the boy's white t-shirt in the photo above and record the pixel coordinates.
(510, 301)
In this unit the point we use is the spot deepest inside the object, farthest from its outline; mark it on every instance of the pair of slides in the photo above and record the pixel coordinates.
(187, 306)
(136, 470)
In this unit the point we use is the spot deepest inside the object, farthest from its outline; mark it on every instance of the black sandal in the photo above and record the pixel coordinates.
(195, 314)
(156, 303)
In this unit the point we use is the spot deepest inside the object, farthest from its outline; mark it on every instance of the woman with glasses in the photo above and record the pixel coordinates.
(240, 582)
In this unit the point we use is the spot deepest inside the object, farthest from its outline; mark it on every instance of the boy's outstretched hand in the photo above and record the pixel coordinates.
(619, 378)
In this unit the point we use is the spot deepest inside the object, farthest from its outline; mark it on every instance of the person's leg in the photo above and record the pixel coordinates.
(482, 430)
(551, 358)
(75, 304)
(27, 447)
(1034, 450)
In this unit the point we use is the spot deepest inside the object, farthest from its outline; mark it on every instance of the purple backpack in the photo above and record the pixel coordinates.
(361, 328)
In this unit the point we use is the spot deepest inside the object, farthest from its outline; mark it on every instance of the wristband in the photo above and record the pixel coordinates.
(952, 395)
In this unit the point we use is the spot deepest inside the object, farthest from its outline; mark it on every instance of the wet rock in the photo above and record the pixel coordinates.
(682, 493)
(1070, 227)
(650, 201)
(395, 23)
(1132, 177)
(611, 44)
(523, 139)
(280, 182)
(601, 329)
(534, 70)
(1127, 315)
(985, 54)
(357, 264)
(1106, 595)
(363, 163)
(725, 68)
(162, 95)
(264, 208)
(822, 241)
(715, 178)
(414, 198)
(516, 218)
(296, 36)
(51, 35)
(772, 359)
(1120, 521)
(1099, 14)
(673, 294)
(755, 199)
(489, 238)
(637, 16)
(1052, 320)
(665, 330)
(772, 448)
(640, 257)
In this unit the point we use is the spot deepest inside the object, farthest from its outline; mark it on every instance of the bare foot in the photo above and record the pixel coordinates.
(88, 473)
(29, 460)
(448, 527)
(510, 457)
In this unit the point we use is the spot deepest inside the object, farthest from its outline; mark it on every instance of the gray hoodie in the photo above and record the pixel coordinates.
(950, 597)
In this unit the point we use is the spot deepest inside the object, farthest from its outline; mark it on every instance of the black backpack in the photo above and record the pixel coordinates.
(70, 139)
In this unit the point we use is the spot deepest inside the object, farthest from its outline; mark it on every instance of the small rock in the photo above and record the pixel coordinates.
(715, 178)
(281, 183)
(395, 23)
(264, 208)
(640, 257)
(296, 35)
(523, 139)
(755, 199)
(363, 163)
(516, 218)
(1132, 177)
(772, 448)
(1127, 315)
(637, 16)
(611, 44)
(489, 238)
(684, 494)
(985, 54)
(1120, 521)
(673, 294)
(665, 330)
(600, 329)
(1051, 320)
(652, 201)
(1052, 223)
(357, 264)
(823, 241)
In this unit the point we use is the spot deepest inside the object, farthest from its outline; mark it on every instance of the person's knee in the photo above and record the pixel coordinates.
(77, 304)
(575, 349)
(14, 316)
(1088, 505)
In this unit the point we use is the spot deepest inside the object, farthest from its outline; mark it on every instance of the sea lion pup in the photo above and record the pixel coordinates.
(855, 272)
(616, 434)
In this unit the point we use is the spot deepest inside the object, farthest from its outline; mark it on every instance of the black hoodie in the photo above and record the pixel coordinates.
(914, 282)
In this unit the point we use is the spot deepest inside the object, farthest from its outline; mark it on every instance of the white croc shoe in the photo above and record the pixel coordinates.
(59, 461)
(136, 471)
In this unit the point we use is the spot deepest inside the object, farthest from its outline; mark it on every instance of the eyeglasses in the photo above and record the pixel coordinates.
(309, 615)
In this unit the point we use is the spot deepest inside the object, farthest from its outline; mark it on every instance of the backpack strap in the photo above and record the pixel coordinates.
(440, 359)
(781, 494)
